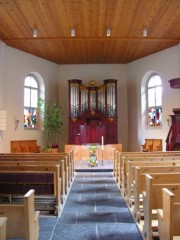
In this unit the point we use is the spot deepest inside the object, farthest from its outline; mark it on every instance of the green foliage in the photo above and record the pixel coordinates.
(92, 149)
(53, 121)
(92, 156)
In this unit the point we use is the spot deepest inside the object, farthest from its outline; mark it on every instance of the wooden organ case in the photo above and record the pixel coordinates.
(93, 112)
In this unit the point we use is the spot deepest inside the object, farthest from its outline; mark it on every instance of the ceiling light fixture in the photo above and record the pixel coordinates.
(35, 32)
(73, 32)
(108, 32)
(145, 32)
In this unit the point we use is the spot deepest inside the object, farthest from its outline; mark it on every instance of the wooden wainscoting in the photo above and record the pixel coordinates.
(81, 152)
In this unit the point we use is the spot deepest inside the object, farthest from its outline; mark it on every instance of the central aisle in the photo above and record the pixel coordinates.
(94, 210)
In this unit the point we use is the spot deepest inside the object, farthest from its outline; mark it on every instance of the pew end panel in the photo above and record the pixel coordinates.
(3, 222)
(152, 198)
(31, 216)
(23, 220)
(147, 211)
(168, 216)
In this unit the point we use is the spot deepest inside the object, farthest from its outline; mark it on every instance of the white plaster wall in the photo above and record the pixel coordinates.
(98, 73)
(166, 64)
(2, 86)
(15, 65)
(18, 65)
(2, 73)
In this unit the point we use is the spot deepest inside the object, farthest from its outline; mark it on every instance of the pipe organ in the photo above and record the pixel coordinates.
(92, 112)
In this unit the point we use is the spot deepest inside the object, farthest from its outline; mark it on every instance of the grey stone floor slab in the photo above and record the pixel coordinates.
(118, 231)
(75, 232)
(94, 210)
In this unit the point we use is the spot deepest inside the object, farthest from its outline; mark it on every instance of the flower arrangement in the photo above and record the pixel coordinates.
(50, 149)
(92, 156)
(55, 145)
(92, 149)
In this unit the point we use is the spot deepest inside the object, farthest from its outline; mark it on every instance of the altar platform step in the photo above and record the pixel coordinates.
(102, 166)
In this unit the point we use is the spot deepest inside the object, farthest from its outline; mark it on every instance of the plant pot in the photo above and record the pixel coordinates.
(54, 150)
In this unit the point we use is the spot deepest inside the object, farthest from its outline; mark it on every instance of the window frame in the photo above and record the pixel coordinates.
(155, 109)
(30, 108)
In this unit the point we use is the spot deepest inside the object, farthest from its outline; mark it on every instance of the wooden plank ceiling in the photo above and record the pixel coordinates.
(54, 18)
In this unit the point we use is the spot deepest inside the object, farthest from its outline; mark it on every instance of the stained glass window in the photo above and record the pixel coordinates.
(154, 101)
(30, 103)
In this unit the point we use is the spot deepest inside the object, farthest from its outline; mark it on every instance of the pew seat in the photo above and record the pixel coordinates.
(23, 220)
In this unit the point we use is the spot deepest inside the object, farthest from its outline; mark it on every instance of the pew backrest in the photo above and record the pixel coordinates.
(128, 176)
(23, 220)
(139, 182)
(17, 180)
(152, 198)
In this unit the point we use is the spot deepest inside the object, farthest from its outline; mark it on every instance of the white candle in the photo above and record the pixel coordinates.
(102, 143)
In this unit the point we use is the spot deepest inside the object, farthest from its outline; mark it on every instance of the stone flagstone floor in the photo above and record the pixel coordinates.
(94, 210)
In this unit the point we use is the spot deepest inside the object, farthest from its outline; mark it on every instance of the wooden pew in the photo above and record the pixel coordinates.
(125, 156)
(157, 145)
(139, 184)
(127, 180)
(3, 221)
(152, 145)
(169, 216)
(72, 164)
(116, 166)
(148, 145)
(129, 155)
(143, 157)
(152, 198)
(16, 180)
(23, 220)
(62, 170)
(24, 146)
(136, 159)
(44, 159)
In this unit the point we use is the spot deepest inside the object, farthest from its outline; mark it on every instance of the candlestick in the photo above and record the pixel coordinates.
(102, 143)
(102, 148)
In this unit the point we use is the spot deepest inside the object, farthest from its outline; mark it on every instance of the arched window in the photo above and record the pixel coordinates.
(154, 102)
(31, 94)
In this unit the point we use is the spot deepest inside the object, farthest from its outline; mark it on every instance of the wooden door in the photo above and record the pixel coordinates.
(91, 134)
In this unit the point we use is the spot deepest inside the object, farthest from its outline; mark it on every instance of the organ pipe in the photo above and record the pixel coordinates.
(92, 98)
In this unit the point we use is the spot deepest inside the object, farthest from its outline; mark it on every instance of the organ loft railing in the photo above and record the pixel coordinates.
(93, 106)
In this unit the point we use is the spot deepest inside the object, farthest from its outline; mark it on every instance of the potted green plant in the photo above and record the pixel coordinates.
(52, 122)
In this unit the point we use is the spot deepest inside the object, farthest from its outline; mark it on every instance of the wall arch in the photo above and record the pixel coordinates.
(144, 81)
